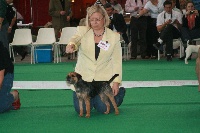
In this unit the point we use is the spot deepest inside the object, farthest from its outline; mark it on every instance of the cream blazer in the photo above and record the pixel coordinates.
(108, 62)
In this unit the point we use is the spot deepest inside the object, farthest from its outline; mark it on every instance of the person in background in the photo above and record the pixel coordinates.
(175, 5)
(60, 11)
(100, 2)
(116, 6)
(168, 25)
(99, 55)
(117, 23)
(3, 24)
(20, 18)
(191, 25)
(11, 16)
(138, 28)
(154, 7)
(8, 100)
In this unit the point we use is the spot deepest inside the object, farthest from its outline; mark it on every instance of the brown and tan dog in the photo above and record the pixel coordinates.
(86, 90)
(198, 68)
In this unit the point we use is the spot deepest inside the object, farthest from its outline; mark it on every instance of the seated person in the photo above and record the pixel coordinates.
(168, 24)
(117, 23)
(117, 7)
(191, 25)
(8, 100)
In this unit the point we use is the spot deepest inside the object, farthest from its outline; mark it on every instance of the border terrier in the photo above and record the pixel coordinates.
(87, 90)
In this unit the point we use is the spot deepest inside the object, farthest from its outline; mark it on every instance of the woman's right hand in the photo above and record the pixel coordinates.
(70, 48)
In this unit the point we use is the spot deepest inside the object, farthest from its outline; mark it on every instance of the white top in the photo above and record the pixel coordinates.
(164, 16)
(118, 7)
(131, 4)
(154, 10)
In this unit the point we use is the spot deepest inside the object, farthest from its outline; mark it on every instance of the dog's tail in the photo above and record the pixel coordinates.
(113, 78)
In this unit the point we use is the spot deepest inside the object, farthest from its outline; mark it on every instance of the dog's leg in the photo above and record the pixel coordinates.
(111, 97)
(188, 53)
(87, 103)
(81, 107)
(104, 99)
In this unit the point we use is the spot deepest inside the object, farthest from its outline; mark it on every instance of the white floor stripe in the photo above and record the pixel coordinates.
(126, 84)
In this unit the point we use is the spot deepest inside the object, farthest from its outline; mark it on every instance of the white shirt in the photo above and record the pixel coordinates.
(164, 16)
(131, 4)
(154, 10)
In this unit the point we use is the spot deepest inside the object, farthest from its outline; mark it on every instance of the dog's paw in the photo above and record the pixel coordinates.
(107, 112)
(117, 113)
(186, 62)
(87, 116)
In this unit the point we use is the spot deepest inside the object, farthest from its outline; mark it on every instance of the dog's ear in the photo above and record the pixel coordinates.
(79, 76)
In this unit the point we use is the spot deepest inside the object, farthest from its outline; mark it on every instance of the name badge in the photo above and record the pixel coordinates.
(104, 45)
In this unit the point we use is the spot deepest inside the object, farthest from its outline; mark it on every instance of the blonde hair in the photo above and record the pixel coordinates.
(99, 9)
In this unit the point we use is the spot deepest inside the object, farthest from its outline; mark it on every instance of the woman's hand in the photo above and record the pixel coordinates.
(115, 88)
(70, 48)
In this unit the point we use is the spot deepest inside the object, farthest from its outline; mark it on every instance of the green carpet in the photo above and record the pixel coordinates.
(144, 110)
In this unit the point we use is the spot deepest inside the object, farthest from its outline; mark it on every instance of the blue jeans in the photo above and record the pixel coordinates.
(98, 104)
(6, 99)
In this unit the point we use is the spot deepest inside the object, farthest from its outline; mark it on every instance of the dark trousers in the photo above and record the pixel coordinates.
(152, 36)
(187, 34)
(167, 35)
(125, 38)
(138, 28)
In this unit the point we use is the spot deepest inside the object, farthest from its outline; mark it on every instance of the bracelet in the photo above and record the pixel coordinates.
(10, 27)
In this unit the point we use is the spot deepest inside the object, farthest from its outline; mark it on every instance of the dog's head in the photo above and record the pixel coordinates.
(73, 78)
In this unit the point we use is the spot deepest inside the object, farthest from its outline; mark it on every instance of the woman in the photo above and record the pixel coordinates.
(8, 100)
(3, 24)
(191, 25)
(95, 63)
(154, 7)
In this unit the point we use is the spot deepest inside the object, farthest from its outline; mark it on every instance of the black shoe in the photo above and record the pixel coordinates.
(169, 57)
(182, 58)
(157, 45)
(24, 55)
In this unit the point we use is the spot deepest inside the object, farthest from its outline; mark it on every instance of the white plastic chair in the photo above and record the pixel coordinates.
(125, 49)
(66, 34)
(45, 37)
(196, 40)
(22, 37)
(180, 48)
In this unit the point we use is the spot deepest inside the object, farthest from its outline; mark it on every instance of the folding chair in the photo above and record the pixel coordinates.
(45, 37)
(196, 40)
(66, 34)
(22, 37)
(180, 47)
(125, 49)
